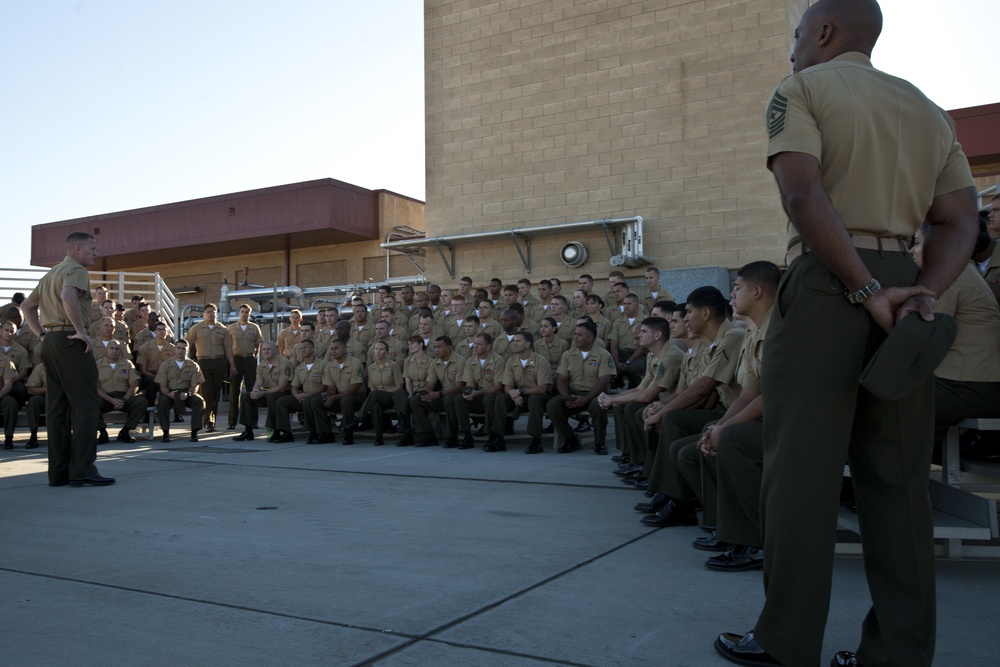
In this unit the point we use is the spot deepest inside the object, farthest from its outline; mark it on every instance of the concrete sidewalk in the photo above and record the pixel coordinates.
(247, 553)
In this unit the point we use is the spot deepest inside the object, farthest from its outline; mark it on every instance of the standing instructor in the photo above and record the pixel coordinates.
(861, 158)
(72, 403)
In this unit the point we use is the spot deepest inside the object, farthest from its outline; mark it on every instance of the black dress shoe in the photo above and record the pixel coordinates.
(737, 558)
(481, 431)
(405, 441)
(125, 436)
(92, 480)
(178, 418)
(32, 443)
(210, 428)
(8, 444)
(672, 514)
(379, 440)
(451, 443)
(571, 445)
(620, 458)
(102, 437)
(743, 649)
(348, 438)
(429, 441)
(535, 447)
(245, 435)
(467, 442)
(324, 439)
(549, 429)
(165, 438)
(498, 446)
(582, 427)
(600, 449)
(711, 543)
(641, 484)
(194, 436)
(656, 503)
(627, 471)
(845, 659)
(231, 427)
(354, 425)
(284, 437)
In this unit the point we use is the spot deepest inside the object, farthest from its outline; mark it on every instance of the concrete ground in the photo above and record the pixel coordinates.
(248, 553)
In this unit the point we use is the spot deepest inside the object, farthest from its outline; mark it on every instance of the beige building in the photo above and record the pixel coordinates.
(546, 111)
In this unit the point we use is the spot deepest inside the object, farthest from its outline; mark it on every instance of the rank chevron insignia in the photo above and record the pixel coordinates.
(776, 113)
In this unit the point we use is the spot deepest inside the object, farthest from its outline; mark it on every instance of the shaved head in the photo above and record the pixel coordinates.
(830, 28)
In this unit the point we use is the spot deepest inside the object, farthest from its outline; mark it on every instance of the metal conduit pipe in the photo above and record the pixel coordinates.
(548, 229)
(263, 294)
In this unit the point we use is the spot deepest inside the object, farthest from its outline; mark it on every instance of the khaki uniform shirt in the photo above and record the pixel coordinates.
(188, 375)
(18, 356)
(144, 337)
(246, 339)
(603, 325)
(825, 111)
(271, 375)
(670, 364)
(975, 354)
(621, 331)
(501, 345)
(415, 370)
(99, 348)
(307, 379)
(993, 266)
(535, 371)
(584, 374)
(37, 377)
(444, 374)
(396, 354)
(48, 293)
(463, 348)
(364, 335)
(483, 373)
(552, 353)
(385, 377)
(287, 339)
(490, 326)
(339, 379)
(647, 300)
(719, 361)
(119, 378)
(566, 329)
(150, 356)
(209, 341)
(752, 356)
(27, 339)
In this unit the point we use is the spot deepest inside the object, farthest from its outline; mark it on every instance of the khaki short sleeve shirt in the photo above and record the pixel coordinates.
(584, 374)
(975, 354)
(533, 372)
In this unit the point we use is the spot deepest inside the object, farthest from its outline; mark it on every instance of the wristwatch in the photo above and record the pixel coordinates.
(864, 293)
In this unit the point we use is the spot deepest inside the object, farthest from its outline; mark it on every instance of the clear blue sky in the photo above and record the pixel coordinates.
(116, 104)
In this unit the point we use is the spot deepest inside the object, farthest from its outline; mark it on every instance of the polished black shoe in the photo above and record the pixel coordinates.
(8, 444)
(549, 429)
(352, 426)
(32, 442)
(600, 449)
(231, 427)
(93, 480)
(284, 437)
(405, 441)
(391, 429)
(743, 649)
(535, 447)
(210, 427)
(655, 504)
(508, 427)
(165, 438)
(641, 484)
(323, 439)
(571, 445)
(429, 441)
(194, 436)
(102, 437)
(711, 543)
(627, 471)
(582, 427)
(451, 443)
(481, 431)
(467, 442)
(348, 438)
(125, 436)
(379, 440)
(845, 659)
(737, 558)
(498, 446)
(178, 418)
(245, 435)
(672, 514)
(620, 458)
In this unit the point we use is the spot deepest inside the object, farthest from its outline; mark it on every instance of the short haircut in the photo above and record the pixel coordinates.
(658, 324)
(488, 339)
(416, 339)
(562, 299)
(76, 238)
(444, 339)
(590, 327)
(653, 269)
(711, 298)
(668, 306)
(526, 335)
(546, 282)
(473, 318)
(309, 324)
(765, 275)
(211, 305)
(616, 274)
(524, 281)
(587, 276)
(511, 288)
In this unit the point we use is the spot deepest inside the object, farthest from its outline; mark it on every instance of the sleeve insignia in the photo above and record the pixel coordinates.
(777, 112)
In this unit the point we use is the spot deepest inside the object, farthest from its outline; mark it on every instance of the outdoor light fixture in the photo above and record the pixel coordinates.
(574, 254)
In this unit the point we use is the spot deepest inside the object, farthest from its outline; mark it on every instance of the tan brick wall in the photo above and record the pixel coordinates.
(548, 111)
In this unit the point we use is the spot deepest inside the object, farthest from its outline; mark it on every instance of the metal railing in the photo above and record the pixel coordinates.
(122, 286)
